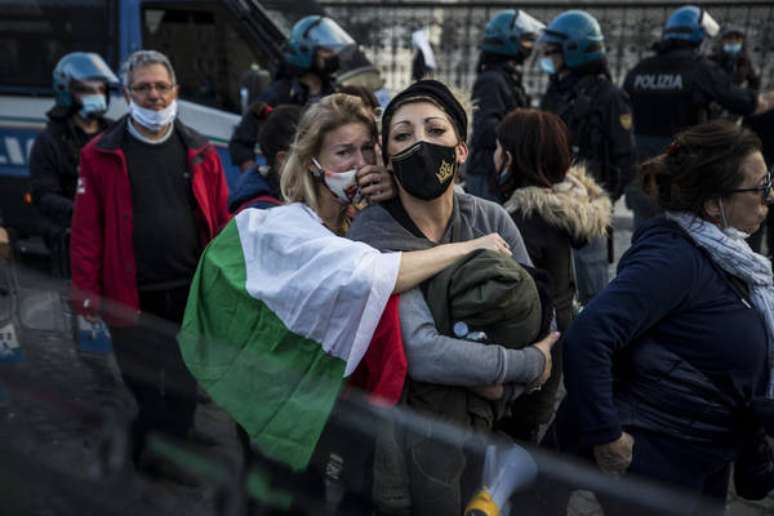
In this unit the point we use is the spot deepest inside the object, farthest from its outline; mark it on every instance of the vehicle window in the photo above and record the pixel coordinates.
(35, 34)
(207, 47)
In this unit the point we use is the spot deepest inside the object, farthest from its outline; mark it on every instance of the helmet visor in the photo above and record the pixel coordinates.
(708, 23)
(528, 25)
(328, 34)
(89, 67)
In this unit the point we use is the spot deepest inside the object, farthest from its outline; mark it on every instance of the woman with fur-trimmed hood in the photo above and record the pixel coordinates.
(556, 207)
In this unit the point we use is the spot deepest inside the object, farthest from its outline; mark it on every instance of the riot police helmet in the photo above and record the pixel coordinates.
(510, 33)
(691, 24)
(80, 67)
(311, 34)
(578, 35)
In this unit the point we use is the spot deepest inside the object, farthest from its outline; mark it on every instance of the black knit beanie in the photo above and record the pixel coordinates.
(434, 90)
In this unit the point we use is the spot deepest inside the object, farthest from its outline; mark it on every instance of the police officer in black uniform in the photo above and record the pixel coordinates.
(508, 41)
(733, 56)
(82, 83)
(599, 117)
(305, 76)
(674, 89)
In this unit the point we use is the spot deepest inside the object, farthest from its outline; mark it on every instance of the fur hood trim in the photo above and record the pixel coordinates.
(577, 205)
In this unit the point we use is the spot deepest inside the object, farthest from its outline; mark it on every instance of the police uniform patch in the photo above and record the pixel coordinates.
(626, 121)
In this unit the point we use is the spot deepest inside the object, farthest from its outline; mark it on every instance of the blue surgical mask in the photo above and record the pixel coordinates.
(504, 174)
(92, 106)
(547, 65)
(732, 48)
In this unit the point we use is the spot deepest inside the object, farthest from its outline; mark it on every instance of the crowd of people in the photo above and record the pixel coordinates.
(454, 267)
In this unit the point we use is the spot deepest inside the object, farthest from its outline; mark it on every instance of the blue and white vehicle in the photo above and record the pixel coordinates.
(216, 47)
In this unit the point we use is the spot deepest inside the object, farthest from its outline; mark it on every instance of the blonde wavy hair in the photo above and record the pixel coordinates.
(330, 113)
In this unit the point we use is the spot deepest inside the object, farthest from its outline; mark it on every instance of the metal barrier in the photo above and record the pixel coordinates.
(383, 29)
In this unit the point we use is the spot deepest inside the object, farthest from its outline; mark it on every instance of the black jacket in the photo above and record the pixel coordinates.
(672, 345)
(54, 166)
(555, 220)
(498, 90)
(285, 90)
(253, 190)
(552, 221)
(740, 67)
(673, 90)
(599, 117)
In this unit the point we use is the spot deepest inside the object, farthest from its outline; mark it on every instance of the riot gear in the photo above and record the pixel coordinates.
(506, 32)
(80, 66)
(579, 37)
(689, 23)
(311, 34)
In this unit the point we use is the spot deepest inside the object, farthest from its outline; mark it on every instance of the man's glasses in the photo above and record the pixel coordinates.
(764, 189)
(144, 89)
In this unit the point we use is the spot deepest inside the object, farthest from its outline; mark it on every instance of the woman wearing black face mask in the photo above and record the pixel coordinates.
(423, 137)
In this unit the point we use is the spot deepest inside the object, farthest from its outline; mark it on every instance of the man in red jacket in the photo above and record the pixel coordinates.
(151, 194)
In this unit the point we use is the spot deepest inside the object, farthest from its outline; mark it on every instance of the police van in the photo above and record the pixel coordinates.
(218, 49)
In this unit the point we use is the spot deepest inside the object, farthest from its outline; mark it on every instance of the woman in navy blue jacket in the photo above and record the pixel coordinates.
(668, 368)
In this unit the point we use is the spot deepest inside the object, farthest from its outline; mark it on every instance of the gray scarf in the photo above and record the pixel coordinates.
(736, 258)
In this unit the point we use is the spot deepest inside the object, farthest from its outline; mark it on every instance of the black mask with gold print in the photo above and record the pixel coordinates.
(425, 169)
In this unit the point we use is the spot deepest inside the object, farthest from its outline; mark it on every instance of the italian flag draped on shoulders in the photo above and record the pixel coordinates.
(280, 315)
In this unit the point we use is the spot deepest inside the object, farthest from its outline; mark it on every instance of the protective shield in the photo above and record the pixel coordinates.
(82, 66)
(708, 23)
(527, 24)
(326, 33)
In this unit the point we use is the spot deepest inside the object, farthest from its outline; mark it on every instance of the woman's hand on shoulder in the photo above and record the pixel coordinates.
(492, 241)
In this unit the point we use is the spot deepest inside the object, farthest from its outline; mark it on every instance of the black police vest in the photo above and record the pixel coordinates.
(581, 110)
(664, 95)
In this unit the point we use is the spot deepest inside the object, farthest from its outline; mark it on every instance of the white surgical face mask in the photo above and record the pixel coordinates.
(730, 231)
(153, 120)
(92, 105)
(343, 185)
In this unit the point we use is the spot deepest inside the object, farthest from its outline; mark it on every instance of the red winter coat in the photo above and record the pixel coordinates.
(101, 247)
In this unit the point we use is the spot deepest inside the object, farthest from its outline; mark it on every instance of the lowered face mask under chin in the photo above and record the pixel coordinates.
(153, 120)
(730, 231)
(343, 185)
